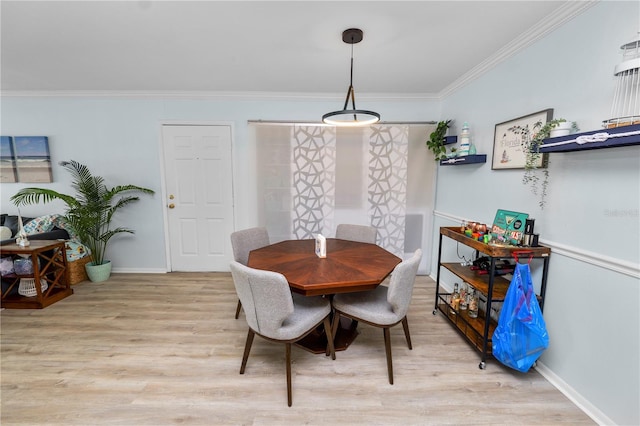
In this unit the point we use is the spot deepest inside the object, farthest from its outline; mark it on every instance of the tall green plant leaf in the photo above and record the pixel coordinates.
(91, 210)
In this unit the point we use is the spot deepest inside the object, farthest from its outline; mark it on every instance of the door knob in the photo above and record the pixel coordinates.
(171, 205)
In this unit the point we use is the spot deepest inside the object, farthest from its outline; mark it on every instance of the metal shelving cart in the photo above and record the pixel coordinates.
(478, 331)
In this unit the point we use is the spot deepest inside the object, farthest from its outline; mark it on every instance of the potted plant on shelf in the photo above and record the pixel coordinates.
(533, 165)
(436, 140)
(89, 213)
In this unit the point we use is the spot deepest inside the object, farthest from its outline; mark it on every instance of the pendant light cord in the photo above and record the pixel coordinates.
(350, 91)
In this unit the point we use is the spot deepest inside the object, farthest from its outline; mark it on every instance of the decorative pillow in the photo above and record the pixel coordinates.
(61, 222)
(11, 222)
(6, 266)
(5, 233)
(39, 225)
(75, 251)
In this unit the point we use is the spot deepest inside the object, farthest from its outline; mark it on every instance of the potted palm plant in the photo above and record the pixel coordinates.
(89, 213)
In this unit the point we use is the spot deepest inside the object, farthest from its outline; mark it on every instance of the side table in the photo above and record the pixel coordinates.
(49, 262)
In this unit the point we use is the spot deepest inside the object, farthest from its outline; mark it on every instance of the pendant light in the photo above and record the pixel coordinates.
(353, 116)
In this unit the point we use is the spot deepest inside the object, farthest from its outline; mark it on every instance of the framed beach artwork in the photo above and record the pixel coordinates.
(512, 138)
(32, 158)
(8, 172)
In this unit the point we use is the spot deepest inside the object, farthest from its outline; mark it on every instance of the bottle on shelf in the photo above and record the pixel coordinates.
(465, 140)
(473, 304)
(455, 298)
(464, 294)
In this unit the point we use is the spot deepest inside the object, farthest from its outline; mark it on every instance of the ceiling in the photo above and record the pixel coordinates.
(410, 49)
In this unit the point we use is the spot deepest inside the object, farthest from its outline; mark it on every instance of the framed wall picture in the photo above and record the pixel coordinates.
(8, 171)
(33, 160)
(512, 138)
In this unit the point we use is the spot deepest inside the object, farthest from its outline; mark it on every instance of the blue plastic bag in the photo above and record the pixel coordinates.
(521, 335)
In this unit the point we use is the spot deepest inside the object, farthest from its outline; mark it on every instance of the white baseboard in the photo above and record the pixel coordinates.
(138, 271)
(582, 403)
(147, 271)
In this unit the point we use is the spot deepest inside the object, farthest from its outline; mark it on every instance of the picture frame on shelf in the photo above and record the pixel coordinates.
(512, 138)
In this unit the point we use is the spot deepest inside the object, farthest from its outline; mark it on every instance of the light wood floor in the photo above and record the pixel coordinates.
(144, 349)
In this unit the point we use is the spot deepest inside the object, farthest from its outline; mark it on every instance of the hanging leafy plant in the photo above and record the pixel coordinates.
(436, 140)
(533, 166)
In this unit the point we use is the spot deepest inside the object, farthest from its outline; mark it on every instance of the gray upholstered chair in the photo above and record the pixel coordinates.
(242, 243)
(275, 314)
(384, 306)
(360, 233)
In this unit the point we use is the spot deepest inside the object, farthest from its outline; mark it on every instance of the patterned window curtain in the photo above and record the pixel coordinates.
(387, 184)
(297, 181)
(313, 183)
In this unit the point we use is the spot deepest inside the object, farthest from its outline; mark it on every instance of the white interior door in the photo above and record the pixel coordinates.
(198, 178)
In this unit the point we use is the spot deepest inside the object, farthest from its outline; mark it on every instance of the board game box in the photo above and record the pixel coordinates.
(508, 227)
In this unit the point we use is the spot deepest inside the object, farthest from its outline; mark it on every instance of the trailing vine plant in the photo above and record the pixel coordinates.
(535, 162)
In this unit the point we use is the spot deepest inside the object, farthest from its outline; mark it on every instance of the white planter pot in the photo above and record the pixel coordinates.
(561, 129)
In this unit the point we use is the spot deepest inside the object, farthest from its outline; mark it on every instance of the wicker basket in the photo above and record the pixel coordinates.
(27, 287)
(76, 272)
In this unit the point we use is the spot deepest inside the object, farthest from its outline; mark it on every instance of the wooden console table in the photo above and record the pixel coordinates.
(49, 262)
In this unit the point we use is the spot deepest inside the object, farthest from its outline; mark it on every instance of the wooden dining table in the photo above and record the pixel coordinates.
(349, 266)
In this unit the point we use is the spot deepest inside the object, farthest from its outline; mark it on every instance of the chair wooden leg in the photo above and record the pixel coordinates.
(334, 325)
(287, 356)
(333, 329)
(238, 308)
(247, 349)
(387, 346)
(327, 330)
(405, 326)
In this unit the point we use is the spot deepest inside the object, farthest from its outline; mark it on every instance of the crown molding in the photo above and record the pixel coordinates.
(212, 95)
(559, 17)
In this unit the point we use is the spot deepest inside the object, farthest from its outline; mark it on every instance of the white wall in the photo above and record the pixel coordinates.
(591, 311)
(592, 212)
(119, 139)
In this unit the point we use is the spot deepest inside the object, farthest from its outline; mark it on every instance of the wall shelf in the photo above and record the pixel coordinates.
(448, 140)
(467, 159)
(596, 139)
